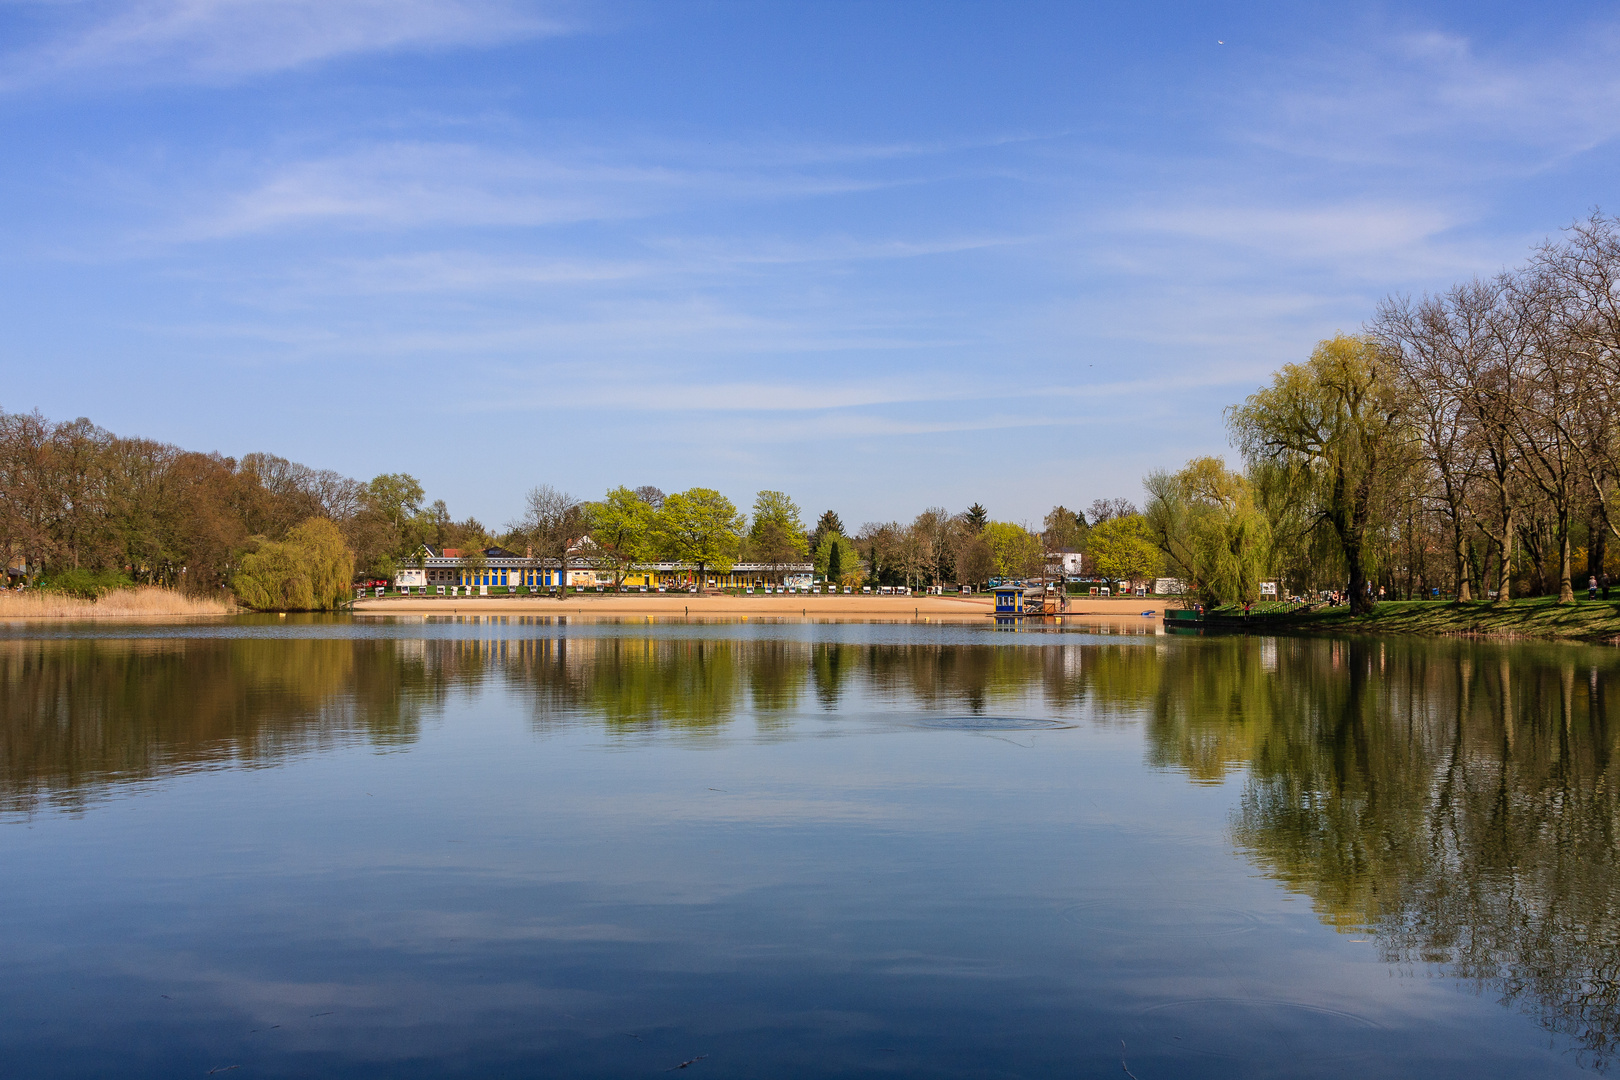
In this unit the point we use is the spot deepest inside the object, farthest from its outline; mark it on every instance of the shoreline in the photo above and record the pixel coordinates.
(1538, 618)
(142, 602)
(680, 605)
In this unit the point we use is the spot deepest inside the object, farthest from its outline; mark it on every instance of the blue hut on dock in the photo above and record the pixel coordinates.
(1009, 599)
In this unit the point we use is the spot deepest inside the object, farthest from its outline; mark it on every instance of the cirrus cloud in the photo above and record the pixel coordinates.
(222, 41)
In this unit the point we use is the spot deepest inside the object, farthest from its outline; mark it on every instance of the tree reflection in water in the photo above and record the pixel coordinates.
(77, 715)
(1457, 801)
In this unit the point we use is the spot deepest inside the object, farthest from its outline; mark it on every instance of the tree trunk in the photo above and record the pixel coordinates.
(1504, 568)
(1566, 591)
(1464, 595)
(1597, 542)
(1360, 600)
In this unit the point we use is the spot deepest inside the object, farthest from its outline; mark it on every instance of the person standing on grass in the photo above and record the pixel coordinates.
(1591, 587)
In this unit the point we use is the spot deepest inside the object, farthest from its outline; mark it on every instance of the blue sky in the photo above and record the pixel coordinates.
(879, 255)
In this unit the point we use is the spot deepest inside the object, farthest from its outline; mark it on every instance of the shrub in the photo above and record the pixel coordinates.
(311, 570)
(86, 584)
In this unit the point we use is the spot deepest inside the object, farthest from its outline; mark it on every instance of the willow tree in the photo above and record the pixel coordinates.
(1330, 434)
(1212, 534)
(311, 570)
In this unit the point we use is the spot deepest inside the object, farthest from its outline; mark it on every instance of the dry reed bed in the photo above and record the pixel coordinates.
(120, 604)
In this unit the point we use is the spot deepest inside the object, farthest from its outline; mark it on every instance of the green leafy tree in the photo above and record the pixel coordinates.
(621, 531)
(312, 570)
(977, 517)
(702, 528)
(396, 497)
(828, 522)
(1014, 550)
(777, 533)
(1122, 549)
(838, 560)
(1330, 436)
(775, 507)
(1213, 536)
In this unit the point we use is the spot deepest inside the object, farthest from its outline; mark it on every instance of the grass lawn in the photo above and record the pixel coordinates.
(1537, 617)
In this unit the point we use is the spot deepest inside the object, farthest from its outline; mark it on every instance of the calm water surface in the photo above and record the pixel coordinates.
(527, 848)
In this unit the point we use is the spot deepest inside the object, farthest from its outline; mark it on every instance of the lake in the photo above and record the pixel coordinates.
(520, 846)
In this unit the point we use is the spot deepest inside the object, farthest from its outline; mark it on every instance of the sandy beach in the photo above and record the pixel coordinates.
(685, 604)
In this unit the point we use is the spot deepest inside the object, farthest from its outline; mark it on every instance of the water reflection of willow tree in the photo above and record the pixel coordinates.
(76, 715)
(1460, 802)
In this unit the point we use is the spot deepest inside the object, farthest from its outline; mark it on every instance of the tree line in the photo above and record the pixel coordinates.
(84, 508)
(1465, 443)
(703, 529)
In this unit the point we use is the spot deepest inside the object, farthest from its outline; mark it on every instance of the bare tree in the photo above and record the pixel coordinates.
(1102, 510)
(1434, 344)
(1546, 412)
(1585, 268)
(552, 522)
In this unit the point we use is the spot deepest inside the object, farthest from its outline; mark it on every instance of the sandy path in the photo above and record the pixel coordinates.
(681, 604)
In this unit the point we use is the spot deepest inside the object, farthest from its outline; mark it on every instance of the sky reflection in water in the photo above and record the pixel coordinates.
(313, 847)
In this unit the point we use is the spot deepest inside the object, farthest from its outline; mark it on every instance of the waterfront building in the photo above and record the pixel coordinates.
(502, 569)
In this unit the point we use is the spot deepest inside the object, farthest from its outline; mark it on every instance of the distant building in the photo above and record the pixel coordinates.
(504, 569)
(1065, 564)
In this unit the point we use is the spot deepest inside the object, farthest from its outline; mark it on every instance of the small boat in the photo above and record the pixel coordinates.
(1183, 621)
(1194, 621)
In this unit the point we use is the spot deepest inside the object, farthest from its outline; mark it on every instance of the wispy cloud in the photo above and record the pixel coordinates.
(673, 262)
(434, 184)
(223, 41)
(659, 393)
(1301, 231)
(1404, 98)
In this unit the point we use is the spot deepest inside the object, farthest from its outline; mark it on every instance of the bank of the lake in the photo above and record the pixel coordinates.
(680, 604)
(142, 602)
(1534, 617)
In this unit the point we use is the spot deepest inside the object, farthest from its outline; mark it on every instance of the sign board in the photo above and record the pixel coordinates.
(411, 578)
(1268, 588)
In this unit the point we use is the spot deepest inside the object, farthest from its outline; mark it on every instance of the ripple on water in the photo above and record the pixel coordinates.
(991, 723)
(1254, 1030)
(1159, 921)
